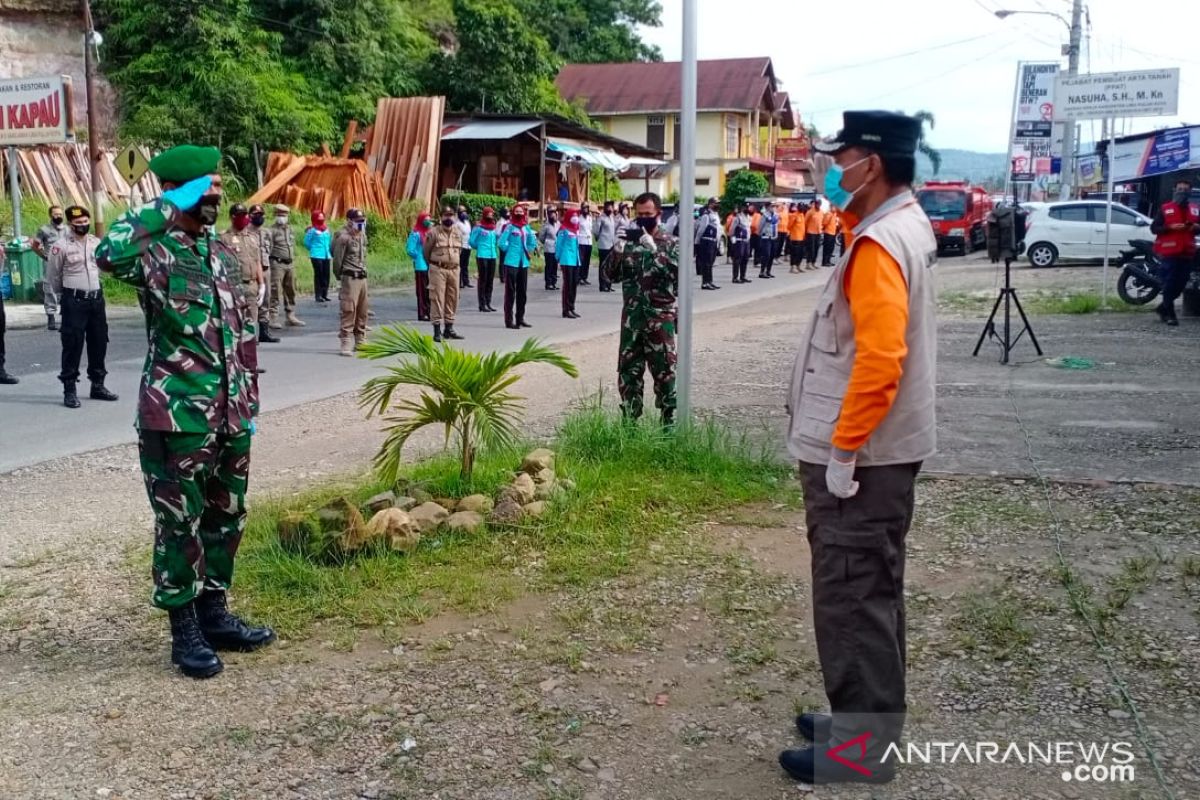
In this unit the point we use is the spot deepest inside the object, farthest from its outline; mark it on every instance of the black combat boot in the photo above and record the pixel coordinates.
(451, 333)
(100, 393)
(437, 332)
(223, 629)
(190, 651)
(70, 399)
(51, 325)
(264, 335)
(8, 379)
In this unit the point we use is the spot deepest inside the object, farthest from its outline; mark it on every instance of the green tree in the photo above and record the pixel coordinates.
(741, 184)
(501, 63)
(603, 186)
(923, 145)
(465, 393)
(595, 31)
(206, 73)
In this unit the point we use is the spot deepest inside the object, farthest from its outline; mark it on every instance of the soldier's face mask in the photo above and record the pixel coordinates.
(206, 210)
(648, 224)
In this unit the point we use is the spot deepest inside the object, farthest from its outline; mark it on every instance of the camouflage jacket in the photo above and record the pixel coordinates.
(649, 279)
(195, 379)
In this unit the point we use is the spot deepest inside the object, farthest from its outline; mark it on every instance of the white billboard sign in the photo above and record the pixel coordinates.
(1037, 140)
(1140, 93)
(35, 110)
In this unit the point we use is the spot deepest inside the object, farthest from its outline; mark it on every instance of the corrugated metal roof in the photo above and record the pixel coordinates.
(488, 129)
(650, 87)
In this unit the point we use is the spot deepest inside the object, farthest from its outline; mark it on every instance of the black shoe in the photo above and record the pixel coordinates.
(70, 399)
(815, 727)
(8, 380)
(1172, 322)
(489, 308)
(259, 371)
(567, 315)
(451, 333)
(264, 335)
(813, 766)
(423, 319)
(585, 283)
(100, 393)
(437, 333)
(511, 325)
(223, 629)
(483, 309)
(523, 324)
(706, 287)
(190, 651)
(574, 315)
(50, 323)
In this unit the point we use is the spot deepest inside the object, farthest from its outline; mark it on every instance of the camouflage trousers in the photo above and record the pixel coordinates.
(196, 483)
(649, 345)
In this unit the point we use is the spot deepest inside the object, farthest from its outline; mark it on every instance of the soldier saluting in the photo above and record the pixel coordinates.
(72, 275)
(195, 404)
(648, 270)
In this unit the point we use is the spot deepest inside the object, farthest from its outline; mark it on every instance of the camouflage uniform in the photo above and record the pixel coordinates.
(197, 396)
(650, 285)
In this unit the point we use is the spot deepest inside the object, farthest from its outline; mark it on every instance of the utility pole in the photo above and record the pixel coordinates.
(687, 199)
(1068, 154)
(89, 74)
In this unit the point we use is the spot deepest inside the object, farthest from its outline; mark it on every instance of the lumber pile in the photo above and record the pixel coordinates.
(61, 174)
(404, 145)
(322, 183)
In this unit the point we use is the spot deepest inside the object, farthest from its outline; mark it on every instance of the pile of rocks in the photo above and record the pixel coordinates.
(338, 529)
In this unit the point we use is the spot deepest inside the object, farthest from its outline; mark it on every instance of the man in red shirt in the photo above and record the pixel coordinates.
(1175, 227)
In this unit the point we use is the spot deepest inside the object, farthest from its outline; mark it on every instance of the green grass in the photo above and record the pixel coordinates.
(1042, 302)
(635, 486)
(996, 622)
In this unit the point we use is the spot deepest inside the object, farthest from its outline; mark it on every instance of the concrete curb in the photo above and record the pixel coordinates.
(29, 316)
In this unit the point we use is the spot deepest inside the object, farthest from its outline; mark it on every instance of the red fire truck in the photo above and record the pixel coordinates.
(958, 212)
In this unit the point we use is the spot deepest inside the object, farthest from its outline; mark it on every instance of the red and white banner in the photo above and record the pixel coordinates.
(35, 110)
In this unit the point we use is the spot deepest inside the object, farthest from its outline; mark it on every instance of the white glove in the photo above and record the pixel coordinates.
(647, 241)
(619, 246)
(262, 293)
(839, 477)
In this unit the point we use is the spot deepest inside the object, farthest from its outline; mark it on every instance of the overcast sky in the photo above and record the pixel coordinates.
(966, 69)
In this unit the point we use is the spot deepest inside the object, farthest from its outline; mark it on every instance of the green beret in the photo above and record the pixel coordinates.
(185, 162)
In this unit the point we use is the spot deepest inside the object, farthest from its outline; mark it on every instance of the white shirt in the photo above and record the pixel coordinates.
(465, 229)
(585, 230)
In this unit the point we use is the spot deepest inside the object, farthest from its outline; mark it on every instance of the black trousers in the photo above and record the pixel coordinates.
(516, 290)
(858, 549)
(84, 323)
(812, 244)
(605, 283)
(484, 281)
(1175, 274)
(464, 267)
(585, 262)
(421, 288)
(830, 243)
(551, 275)
(766, 256)
(321, 278)
(780, 243)
(740, 254)
(570, 285)
(3, 327)
(796, 251)
(706, 257)
(754, 253)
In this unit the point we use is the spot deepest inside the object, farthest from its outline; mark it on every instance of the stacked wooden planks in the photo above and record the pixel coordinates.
(61, 174)
(404, 146)
(322, 183)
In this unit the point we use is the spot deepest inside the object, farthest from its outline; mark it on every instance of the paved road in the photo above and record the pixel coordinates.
(305, 366)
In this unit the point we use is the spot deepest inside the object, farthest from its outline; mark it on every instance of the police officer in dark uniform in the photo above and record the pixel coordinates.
(72, 274)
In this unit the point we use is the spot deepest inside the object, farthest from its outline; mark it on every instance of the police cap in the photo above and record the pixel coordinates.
(76, 212)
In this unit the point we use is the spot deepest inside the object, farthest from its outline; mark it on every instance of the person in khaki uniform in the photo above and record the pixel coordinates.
(442, 245)
(258, 221)
(246, 244)
(862, 422)
(74, 278)
(281, 244)
(350, 268)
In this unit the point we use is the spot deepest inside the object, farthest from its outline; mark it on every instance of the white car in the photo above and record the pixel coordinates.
(1074, 231)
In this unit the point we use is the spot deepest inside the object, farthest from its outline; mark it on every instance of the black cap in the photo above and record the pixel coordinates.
(883, 132)
(238, 210)
(257, 209)
(75, 212)
(355, 215)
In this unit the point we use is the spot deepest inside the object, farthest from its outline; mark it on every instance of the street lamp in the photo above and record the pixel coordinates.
(1075, 32)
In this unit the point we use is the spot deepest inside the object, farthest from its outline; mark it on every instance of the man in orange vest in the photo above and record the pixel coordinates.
(814, 221)
(830, 234)
(1175, 226)
(795, 232)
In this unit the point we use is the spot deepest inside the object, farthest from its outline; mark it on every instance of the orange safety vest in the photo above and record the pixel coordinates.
(1171, 243)
(831, 223)
(754, 223)
(813, 220)
(796, 229)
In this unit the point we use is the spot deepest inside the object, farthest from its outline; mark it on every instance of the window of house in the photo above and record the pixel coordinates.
(703, 181)
(677, 148)
(656, 132)
(731, 135)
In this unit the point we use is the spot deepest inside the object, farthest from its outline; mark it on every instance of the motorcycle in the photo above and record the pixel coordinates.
(1140, 281)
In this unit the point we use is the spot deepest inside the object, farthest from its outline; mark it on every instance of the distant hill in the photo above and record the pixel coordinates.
(960, 164)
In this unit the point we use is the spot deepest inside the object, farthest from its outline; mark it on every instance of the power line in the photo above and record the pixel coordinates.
(922, 51)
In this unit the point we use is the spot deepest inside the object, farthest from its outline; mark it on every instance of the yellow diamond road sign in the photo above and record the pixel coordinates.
(131, 164)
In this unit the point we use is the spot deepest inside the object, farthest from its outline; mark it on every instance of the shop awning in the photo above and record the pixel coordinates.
(489, 129)
(642, 167)
(596, 156)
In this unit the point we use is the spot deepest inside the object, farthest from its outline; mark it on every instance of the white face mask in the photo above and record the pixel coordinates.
(281, 218)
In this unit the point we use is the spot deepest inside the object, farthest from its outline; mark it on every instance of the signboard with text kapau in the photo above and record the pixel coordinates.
(35, 110)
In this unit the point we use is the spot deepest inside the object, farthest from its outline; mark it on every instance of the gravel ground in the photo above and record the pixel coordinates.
(676, 682)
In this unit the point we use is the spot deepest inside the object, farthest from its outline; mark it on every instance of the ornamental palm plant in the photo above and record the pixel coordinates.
(467, 393)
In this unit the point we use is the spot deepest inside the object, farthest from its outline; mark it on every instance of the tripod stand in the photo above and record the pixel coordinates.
(1008, 296)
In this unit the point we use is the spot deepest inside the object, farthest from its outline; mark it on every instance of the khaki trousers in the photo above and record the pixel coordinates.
(443, 293)
(353, 300)
(283, 288)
